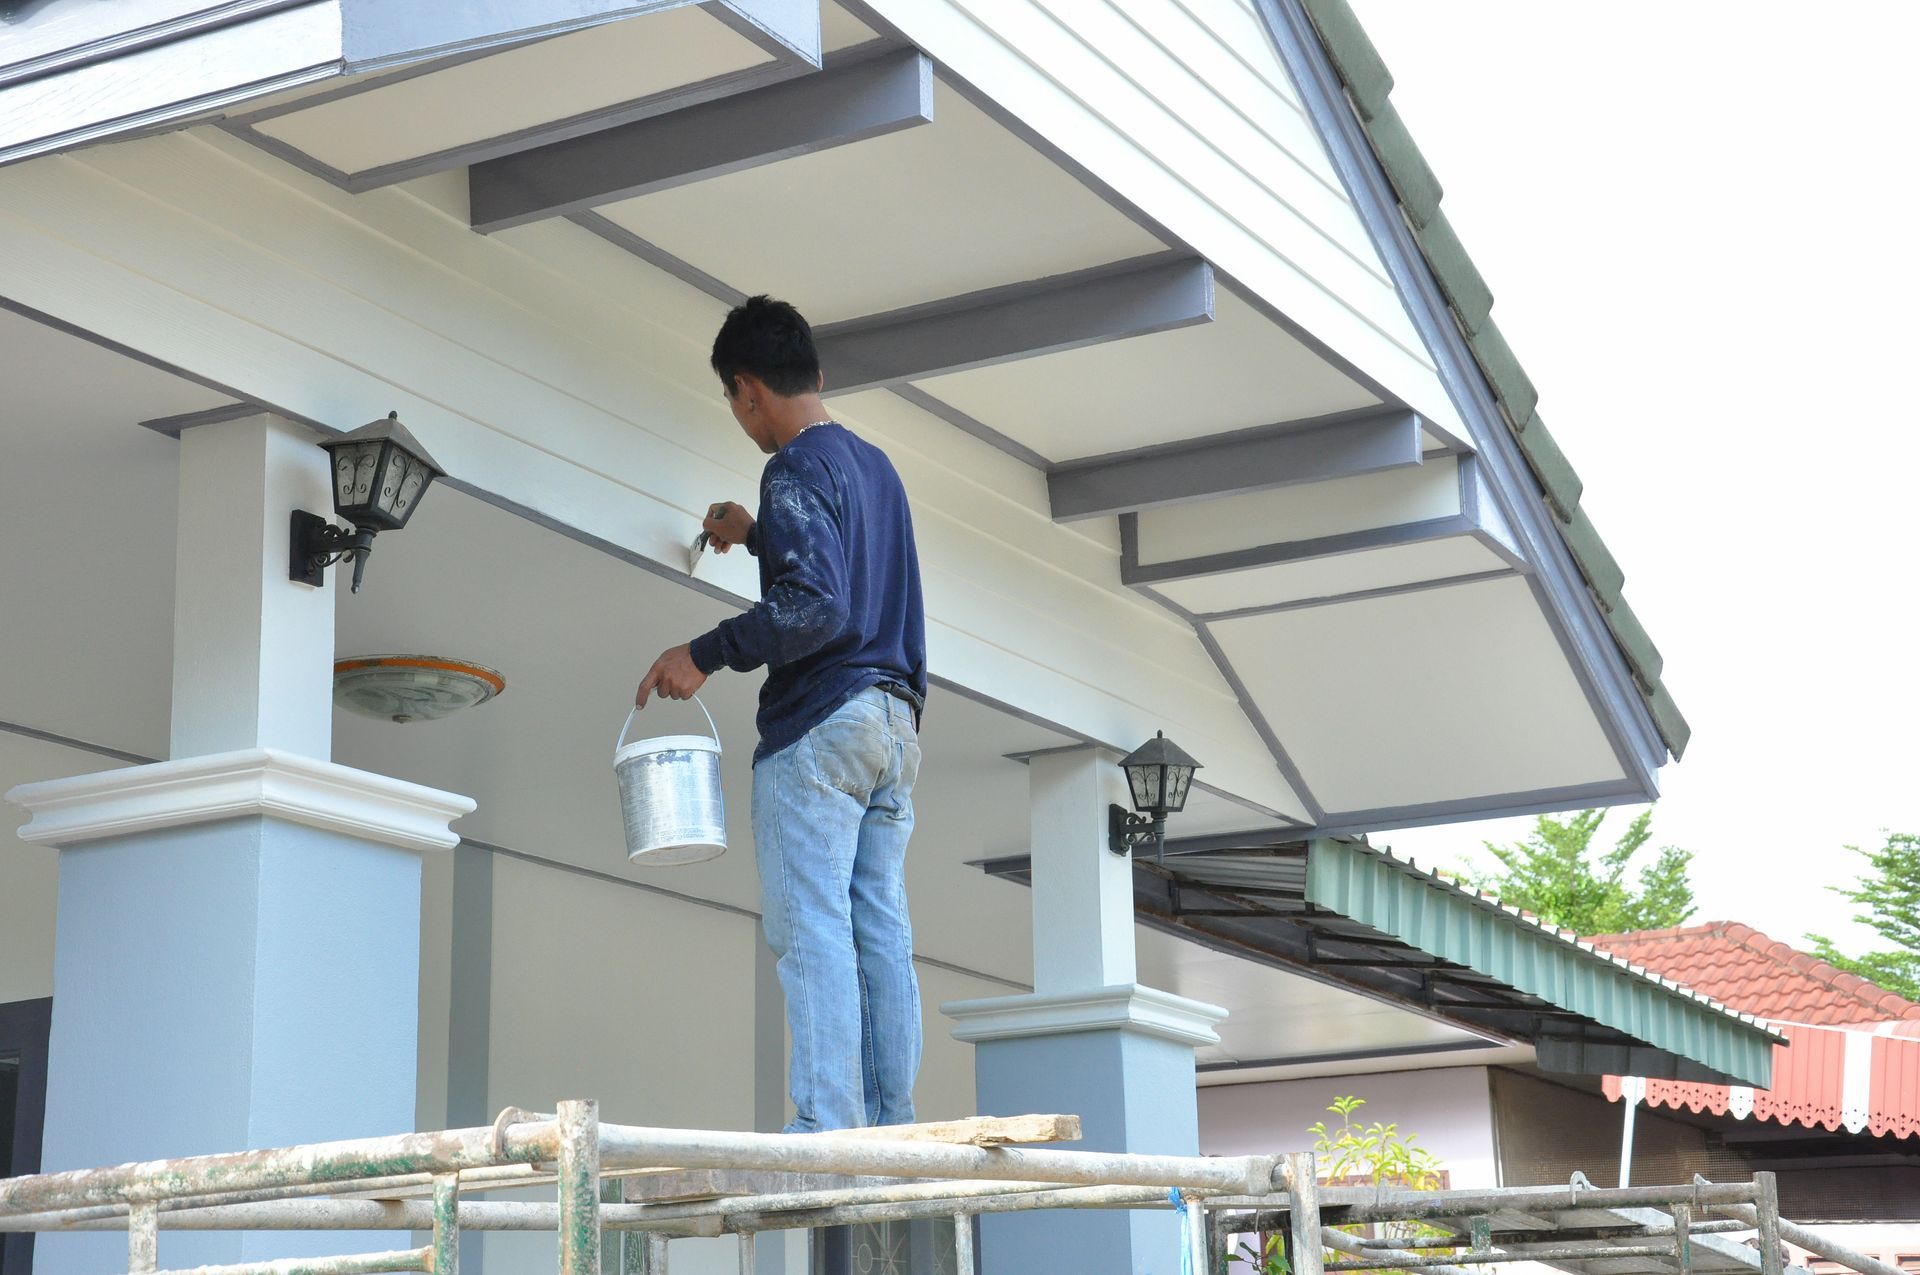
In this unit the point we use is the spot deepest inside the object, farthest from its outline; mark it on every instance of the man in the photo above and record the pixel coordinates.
(840, 628)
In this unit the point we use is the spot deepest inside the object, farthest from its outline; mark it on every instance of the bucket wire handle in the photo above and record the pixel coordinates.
(626, 726)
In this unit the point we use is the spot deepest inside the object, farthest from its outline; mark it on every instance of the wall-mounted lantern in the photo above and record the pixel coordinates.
(1159, 774)
(380, 473)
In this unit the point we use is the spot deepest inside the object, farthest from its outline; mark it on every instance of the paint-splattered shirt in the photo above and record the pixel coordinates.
(839, 607)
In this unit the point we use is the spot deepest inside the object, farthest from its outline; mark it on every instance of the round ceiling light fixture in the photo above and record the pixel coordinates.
(412, 688)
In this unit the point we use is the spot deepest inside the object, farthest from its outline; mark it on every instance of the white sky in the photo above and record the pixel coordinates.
(1698, 219)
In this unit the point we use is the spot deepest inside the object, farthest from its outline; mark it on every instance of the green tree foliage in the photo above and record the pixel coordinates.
(1558, 875)
(1889, 893)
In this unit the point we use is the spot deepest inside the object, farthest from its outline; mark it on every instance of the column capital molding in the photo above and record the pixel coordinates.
(257, 781)
(1145, 1010)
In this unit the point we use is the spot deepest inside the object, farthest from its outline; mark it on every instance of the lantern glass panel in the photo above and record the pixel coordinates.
(411, 485)
(391, 475)
(1179, 779)
(1146, 783)
(353, 474)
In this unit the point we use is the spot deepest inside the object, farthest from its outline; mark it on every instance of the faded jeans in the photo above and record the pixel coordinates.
(831, 818)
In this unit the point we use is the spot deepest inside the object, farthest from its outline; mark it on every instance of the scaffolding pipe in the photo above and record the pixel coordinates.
(853, 1215)
(1623, 1231)
(337, 1163)
(1303, 1213)
(412, 1259)
(1814, 1242)
(281, 1189)
(446, 1225)
(319, 1215)
(579, 1137)
(1357, 1204)
(1196, 1234)
(143, 1239)
(1381, 1257)
(633, 1146)
(823, 1198)
(1577, 1252)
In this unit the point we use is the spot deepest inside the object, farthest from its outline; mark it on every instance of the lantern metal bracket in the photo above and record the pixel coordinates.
(1125, 830)
(314, 544)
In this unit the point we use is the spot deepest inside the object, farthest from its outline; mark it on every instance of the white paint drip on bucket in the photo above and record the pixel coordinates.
(670, 796)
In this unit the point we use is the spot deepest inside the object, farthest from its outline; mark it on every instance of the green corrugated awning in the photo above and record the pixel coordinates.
(1344, 913)
(1469, 930)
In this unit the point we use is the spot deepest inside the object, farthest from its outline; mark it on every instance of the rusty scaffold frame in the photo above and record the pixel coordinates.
(415, 1181)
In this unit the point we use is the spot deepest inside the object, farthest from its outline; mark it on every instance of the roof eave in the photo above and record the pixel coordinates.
(1367, 85)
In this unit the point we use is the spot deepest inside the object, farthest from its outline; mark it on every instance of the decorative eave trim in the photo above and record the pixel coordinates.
(261, 781)
(1141, 1009)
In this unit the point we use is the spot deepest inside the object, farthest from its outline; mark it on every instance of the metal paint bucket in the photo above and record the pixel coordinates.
(670, 795)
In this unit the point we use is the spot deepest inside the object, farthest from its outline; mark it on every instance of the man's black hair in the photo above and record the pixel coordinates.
(768, 339)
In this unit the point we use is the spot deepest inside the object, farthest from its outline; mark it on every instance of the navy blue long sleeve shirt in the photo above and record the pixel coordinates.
(840, 606)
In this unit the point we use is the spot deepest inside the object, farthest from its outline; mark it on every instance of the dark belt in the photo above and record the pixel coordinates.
(904, 695)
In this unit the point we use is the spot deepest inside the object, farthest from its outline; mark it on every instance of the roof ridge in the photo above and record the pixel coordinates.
(1670, 932)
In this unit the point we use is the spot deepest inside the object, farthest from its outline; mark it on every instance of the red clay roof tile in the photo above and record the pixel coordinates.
(1744, 969)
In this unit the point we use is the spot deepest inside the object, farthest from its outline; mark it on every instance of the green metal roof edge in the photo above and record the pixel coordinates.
(1470, 929)
(1369, 85)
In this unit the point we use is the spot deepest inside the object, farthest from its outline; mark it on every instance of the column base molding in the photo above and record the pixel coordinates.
(258, 781)
(1144, 1010)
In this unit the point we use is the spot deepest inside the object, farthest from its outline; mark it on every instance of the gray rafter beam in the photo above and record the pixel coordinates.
(1040, 316)
(1337, 446)
(1475, 518)
(842, 104)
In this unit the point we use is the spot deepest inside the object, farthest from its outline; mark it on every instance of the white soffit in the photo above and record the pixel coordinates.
(491, 96)
(918, 215)
(840, 29)
(1329, 577)
(1275, 1013)
(1421, 697)
(1237, 372)
(1306, 511)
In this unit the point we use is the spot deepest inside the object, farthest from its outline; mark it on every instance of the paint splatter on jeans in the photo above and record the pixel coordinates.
(831, 817)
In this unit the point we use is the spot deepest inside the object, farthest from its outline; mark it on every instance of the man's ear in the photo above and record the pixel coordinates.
(820, 383)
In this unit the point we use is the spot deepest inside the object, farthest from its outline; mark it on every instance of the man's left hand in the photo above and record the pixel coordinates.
(674, 675)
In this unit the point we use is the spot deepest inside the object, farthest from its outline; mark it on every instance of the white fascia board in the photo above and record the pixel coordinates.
(206, 71)
(377, 33)
(142, 78)
(558, 379)
(1067, 84)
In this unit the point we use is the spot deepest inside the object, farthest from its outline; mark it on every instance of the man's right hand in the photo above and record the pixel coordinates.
(727, 525)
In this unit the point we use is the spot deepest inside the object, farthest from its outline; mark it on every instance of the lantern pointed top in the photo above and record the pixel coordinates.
(1160, 751)
(389, 427)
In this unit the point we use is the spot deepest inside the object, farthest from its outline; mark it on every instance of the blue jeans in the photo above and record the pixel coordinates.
(831, 818)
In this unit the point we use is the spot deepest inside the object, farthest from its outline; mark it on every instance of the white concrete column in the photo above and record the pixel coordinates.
(1082, 892)
(252, 650)
(237, 959)
(1088, 1040)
